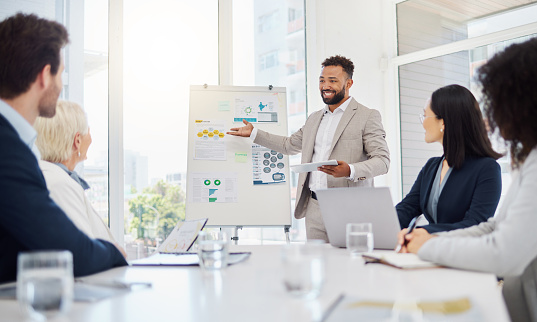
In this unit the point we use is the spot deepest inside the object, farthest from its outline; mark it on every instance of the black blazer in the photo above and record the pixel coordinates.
(30, 220)
(470, 195)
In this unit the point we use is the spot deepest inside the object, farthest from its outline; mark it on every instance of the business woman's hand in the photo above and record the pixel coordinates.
(415, 240)
(401, 245)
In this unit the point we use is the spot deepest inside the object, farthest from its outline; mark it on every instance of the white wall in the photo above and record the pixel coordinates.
(362, 31)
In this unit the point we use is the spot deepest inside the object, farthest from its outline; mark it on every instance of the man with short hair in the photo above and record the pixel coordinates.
(31, 65)
(343, 130)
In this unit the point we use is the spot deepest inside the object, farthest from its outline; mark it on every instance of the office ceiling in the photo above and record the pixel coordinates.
(465, 10)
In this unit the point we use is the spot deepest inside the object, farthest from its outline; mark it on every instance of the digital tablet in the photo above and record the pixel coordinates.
(308, 167)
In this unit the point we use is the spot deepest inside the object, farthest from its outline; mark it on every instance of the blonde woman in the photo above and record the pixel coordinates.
(63, 141)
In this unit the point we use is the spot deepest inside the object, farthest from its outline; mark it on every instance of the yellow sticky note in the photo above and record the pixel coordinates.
(241, 157)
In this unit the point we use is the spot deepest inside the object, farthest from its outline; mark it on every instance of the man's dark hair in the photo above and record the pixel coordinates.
(465, 134)
(27, 44)
(344, 62)
(509, 81)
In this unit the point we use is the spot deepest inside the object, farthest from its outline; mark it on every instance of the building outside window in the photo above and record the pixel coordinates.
(442, 43)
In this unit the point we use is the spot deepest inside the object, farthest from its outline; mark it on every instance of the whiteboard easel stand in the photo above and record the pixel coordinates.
(235, 237)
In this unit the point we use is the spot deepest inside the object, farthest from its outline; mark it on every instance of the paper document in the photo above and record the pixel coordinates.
(257, 109)
(206, 187)
(268, 166)
(351, 308)
(209, 142)
(182, 236)
(308, 167)
(398, 260)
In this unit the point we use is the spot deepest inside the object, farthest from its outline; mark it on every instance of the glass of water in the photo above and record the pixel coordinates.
(303, 269)
(213, 250)
(45, 283)
(359, 238)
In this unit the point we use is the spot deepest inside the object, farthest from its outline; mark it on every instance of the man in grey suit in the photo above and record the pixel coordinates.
(343, 130)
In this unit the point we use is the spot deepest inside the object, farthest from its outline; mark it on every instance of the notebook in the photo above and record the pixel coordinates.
(398, 260)
(340, 206)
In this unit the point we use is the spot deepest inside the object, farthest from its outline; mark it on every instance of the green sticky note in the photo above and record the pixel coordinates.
(241, 157)
(223, 106)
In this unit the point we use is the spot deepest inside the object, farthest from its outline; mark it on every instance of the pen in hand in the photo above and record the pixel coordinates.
(411, 227)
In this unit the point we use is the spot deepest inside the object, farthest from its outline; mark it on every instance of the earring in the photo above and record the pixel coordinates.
(78, 153)
(441, 130)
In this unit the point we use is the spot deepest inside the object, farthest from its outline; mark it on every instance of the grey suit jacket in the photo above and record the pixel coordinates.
(359, 140)
(505, 245)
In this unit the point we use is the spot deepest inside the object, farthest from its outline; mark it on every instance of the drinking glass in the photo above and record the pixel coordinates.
(213, 250)
(359, 238)
(303, 269)
(45, 283)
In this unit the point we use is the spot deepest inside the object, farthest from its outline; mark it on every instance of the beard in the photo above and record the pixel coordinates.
(47, 104)
(335, 99)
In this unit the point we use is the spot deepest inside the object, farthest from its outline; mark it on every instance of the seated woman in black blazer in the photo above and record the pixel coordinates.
(461, 188)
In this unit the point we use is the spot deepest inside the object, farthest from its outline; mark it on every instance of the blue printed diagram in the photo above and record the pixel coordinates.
(261, 106)
(268, 165)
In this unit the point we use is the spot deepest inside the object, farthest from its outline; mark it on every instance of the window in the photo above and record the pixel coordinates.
(168, 46)
(85, 79)
(469, 39)
(95, 168)
(268, 21)
(425, 24)
(269, 60)
(275, 58)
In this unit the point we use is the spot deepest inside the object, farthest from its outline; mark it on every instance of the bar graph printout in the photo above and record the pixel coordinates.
(210, 187)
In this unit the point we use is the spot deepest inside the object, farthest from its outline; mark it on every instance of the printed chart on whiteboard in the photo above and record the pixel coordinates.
(257, 109)
(268, 166)
(213, 187)
(210, 143)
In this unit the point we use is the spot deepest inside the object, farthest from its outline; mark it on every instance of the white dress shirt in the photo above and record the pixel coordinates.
(25, 130)
(323, 142)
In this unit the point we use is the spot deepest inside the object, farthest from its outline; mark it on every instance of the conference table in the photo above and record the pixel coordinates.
(253, 290)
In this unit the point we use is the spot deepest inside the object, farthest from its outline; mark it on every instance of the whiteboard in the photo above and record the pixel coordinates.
(220, 168)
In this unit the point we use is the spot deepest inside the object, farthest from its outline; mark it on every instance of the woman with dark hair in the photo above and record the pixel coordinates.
(461, 188)
(505, 245)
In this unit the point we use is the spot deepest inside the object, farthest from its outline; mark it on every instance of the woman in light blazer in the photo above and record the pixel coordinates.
(63, 142)
(462, 188)
(505, 245)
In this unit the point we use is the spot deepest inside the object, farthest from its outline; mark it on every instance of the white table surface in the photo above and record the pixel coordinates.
(253, 291)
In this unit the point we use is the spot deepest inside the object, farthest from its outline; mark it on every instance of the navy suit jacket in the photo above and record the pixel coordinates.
(30, 220)
(469, 197)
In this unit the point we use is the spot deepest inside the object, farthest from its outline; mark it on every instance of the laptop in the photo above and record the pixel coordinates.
(340, 206)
